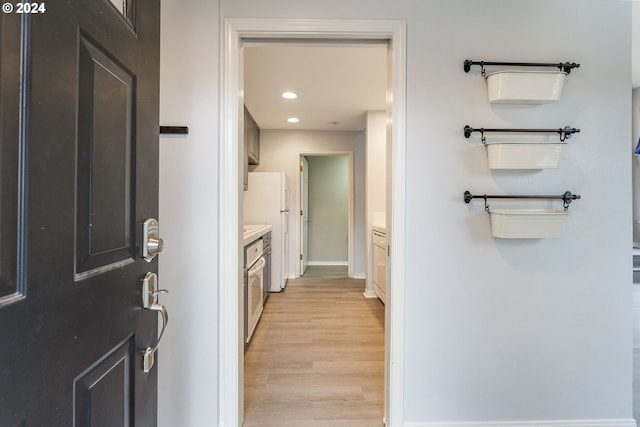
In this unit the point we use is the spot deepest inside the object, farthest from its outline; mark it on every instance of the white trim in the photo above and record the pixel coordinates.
(228, 230)
(302, 243)
(359, 276)
(339, 263)
(229, 390)
(617, 422)
(368, 293)
(394, 413)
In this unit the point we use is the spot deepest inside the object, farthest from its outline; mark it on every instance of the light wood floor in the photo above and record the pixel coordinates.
(317, 356)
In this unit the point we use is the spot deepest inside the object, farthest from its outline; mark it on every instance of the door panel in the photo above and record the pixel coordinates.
(104, 179)
(85, 133)
(103, 393)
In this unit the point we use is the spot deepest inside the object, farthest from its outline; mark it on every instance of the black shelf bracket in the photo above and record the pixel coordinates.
(566, 66)
(566, 198)
(565, 133)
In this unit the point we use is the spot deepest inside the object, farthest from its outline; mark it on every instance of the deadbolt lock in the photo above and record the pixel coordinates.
(151, 241)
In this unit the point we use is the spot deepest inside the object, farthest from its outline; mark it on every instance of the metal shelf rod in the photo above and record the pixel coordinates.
(566, 67)
(567, 197)
(565, 132)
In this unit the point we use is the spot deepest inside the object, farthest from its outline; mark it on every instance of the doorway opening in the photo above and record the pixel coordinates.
(231, 355)
(326, 212)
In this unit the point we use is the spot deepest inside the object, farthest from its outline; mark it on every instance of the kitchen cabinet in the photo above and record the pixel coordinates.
(252, 138)
(379, 241)
(251, 145)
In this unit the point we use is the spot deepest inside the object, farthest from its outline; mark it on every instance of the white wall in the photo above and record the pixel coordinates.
(534, 329)
(280, 150)
(376, 141)
(376, 147)
(635, 168)
(635, 54)
(188, 354)
(328, 209)
(495, 330)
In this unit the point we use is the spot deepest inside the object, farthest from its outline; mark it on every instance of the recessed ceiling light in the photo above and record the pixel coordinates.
(293, 120)
(289, 95)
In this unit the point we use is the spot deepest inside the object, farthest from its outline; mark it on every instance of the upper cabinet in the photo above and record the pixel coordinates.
(252, 138)
(251, 145)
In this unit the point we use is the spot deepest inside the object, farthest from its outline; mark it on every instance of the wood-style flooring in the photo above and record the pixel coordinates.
(317, 356)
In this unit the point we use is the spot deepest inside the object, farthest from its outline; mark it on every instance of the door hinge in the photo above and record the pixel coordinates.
(300, 257)
(301, 168)
(300, 212)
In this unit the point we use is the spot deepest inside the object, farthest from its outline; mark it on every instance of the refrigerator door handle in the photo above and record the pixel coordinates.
(286, 223)
(286, 199)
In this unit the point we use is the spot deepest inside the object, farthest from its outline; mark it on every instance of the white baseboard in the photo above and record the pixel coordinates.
(369, 293)
(361, 276)
(618, 422)
(328, 263)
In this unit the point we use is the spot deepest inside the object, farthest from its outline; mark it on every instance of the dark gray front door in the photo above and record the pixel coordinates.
(78, 175)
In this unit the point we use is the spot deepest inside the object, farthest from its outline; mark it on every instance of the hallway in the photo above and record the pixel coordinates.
(317, 356)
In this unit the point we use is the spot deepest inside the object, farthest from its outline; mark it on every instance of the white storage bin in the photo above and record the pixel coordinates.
(527, 223)
(524, 155)
(525, 87)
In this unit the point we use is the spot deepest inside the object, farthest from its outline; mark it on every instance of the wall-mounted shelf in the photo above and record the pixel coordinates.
(523, 86)
(526, 223)
(523, 155)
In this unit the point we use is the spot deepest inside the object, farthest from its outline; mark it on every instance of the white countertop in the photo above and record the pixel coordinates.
(252, 232)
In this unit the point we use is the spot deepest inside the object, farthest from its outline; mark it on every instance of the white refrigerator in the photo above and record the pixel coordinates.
(266, 201)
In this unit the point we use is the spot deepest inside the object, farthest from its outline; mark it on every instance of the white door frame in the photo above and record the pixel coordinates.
(230, 392)
(304, 243)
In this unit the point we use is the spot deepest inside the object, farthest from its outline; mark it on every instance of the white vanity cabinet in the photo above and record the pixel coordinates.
(379, 242)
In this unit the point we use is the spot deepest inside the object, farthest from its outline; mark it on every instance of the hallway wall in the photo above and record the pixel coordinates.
(188, 356)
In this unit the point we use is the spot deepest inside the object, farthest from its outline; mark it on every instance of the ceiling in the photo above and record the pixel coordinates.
(336, 84)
